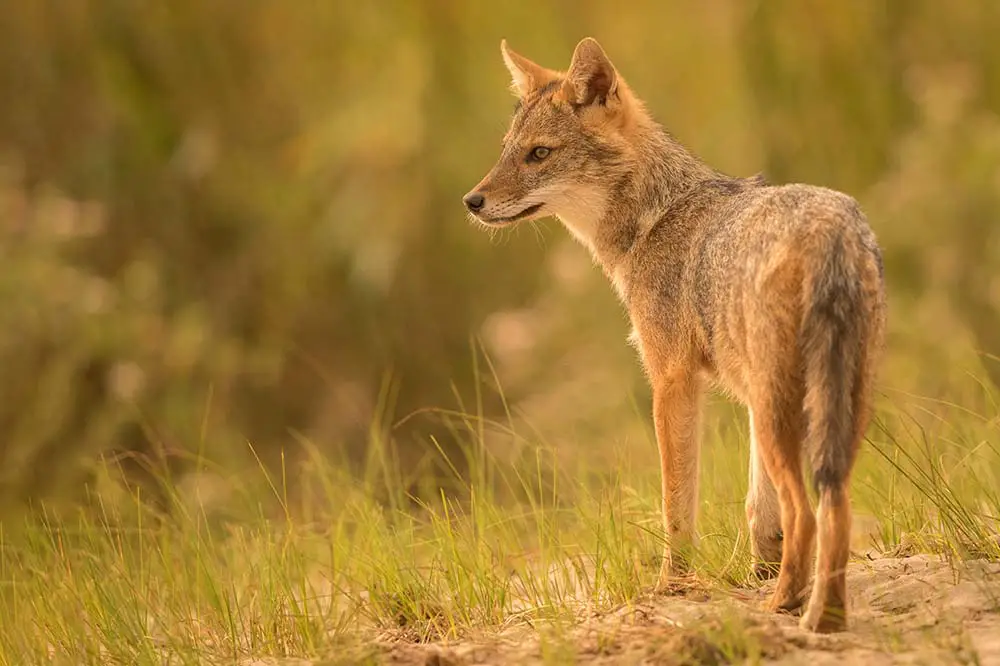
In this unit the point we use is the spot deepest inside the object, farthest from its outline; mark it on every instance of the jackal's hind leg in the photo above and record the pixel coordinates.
(763, 514)
(779, 442)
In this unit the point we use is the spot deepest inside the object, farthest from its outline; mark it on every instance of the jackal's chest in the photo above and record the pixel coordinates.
(657, 347)
(635, 342)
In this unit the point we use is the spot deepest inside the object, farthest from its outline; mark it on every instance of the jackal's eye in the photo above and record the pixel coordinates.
(538, 153)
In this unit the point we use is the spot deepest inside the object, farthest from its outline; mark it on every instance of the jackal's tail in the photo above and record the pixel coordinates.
(835, 335)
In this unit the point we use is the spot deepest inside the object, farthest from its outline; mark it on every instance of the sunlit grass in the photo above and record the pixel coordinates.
(307, 562)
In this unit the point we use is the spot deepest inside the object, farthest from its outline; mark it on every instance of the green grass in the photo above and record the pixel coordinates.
(313, 560)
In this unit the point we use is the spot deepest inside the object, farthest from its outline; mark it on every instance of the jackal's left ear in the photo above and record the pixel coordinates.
(526, 76)
(591, 77)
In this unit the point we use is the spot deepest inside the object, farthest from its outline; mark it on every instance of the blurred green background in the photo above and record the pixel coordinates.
(240, 220)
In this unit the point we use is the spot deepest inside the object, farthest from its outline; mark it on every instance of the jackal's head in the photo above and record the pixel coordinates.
(567, 144)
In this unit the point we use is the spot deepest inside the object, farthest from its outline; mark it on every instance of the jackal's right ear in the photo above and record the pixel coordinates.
(525, 75)
(591, 77)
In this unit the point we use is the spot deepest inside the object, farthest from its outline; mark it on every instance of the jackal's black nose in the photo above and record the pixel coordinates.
(474, 201)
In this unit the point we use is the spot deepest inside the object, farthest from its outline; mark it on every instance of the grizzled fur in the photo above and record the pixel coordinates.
(773, 293)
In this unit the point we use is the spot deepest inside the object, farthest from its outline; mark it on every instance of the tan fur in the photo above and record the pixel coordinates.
(772, 292)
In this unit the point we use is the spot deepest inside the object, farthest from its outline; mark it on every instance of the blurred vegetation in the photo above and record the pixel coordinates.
(228, 222)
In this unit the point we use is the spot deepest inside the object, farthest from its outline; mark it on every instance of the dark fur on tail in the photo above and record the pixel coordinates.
(833, 345)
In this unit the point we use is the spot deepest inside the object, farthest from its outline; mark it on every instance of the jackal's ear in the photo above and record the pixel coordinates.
(591, 77)
(526, 76)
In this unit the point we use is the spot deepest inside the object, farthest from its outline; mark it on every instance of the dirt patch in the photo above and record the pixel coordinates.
(912, 610)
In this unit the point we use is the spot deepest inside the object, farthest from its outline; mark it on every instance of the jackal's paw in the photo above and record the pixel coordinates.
(766, 554)
(676, 585)
(785, 602)
(675, 565)
(689, 586)
(824, 621)
(765, 570)
(675, 578)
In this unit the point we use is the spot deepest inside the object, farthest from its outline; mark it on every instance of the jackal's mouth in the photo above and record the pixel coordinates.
(530, 210)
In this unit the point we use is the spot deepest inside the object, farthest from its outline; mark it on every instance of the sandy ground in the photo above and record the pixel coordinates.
(905, 610)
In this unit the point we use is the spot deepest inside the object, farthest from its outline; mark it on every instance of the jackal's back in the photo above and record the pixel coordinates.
(754, 257)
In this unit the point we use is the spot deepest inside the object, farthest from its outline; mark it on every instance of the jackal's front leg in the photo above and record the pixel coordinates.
(676, 407)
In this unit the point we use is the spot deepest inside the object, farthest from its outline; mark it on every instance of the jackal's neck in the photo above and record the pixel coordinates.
(661, 171)
(664, 171)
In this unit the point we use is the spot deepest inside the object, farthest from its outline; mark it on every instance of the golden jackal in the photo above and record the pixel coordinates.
(775, 292)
